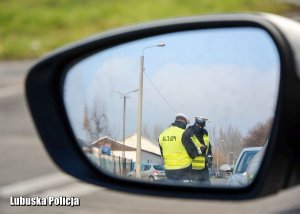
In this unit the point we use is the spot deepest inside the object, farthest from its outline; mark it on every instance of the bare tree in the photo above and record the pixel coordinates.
(146, 132)
(95, 123)
(99, 122)
(258, 135)
(217, 147)
(227, 144)
(152, 132)
(86, 124)
(157, 130)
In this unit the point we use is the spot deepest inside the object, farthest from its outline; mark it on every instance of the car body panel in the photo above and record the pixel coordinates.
(238, 176)
(254, 164)
(150, 172)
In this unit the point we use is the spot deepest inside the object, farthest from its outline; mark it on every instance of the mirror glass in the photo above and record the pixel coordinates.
(129, 104)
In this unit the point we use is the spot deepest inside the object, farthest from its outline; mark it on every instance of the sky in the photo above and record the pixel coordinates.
(230, 75)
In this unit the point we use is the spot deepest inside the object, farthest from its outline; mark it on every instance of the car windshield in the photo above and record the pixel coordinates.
(159, 167)
(246, 158)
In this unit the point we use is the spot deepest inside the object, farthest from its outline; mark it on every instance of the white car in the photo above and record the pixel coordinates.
(254, 164)
(238, 176)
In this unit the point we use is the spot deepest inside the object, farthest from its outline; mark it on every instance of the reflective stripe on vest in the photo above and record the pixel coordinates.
(175, 155)
(198, 163)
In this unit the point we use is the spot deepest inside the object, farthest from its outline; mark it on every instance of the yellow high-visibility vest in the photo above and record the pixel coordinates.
(198, 163)
(174, 153)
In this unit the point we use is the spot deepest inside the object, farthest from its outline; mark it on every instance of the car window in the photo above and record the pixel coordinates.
(244, 161)
(143, 167)
(159, 167)
(147, 167)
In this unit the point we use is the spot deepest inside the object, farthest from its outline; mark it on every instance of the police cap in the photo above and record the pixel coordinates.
(182, 116)
(200, 120)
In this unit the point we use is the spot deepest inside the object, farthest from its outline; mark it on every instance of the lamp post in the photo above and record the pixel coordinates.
(124, 96)
(221, 141)
(139, 117)
(229, 154)
(233, 152)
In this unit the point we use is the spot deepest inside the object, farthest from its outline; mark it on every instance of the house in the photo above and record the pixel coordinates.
(150, 152)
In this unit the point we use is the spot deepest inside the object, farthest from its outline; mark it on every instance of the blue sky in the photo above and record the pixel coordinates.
(229, 75)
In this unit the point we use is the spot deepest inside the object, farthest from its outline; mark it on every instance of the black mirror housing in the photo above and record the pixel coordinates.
(279, 169)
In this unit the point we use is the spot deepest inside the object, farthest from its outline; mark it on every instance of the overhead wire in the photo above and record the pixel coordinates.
(164, 99)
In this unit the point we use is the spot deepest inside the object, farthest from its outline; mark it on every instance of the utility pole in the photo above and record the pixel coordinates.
(140, 102)
(124, 96)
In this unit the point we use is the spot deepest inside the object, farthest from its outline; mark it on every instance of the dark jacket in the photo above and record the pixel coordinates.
(199, 135)
(189, 144)
(209, 147)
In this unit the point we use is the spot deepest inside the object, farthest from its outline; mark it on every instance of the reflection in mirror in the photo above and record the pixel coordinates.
(129, 106)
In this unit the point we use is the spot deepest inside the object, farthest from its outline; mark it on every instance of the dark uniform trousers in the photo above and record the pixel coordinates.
(179, 174)
(201, 176)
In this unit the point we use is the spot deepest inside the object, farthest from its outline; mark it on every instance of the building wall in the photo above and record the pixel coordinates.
(145, 156)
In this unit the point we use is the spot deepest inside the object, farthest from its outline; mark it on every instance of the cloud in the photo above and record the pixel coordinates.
(223, 93)
(226, 94)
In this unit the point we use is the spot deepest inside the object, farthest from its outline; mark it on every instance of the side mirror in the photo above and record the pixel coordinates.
(237, 64)
(229, 172)
(226, 168)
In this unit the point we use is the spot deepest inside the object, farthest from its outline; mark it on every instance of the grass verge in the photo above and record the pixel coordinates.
(31, 28)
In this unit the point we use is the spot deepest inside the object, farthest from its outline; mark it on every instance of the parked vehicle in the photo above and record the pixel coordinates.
(254, 164)
(151, 172)
(238, 176)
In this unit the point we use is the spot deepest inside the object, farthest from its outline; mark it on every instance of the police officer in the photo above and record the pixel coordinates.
(197, 135)
(178, 163)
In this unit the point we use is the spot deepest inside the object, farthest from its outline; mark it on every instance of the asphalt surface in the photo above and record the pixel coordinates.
(26, 170)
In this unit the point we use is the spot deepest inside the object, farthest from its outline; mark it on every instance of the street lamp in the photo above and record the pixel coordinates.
(233, 151)
(139, 122)
(229, 154)
(124, 96)
(221, 141)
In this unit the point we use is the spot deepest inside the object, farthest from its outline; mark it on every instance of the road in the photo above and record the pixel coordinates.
(26, 170)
